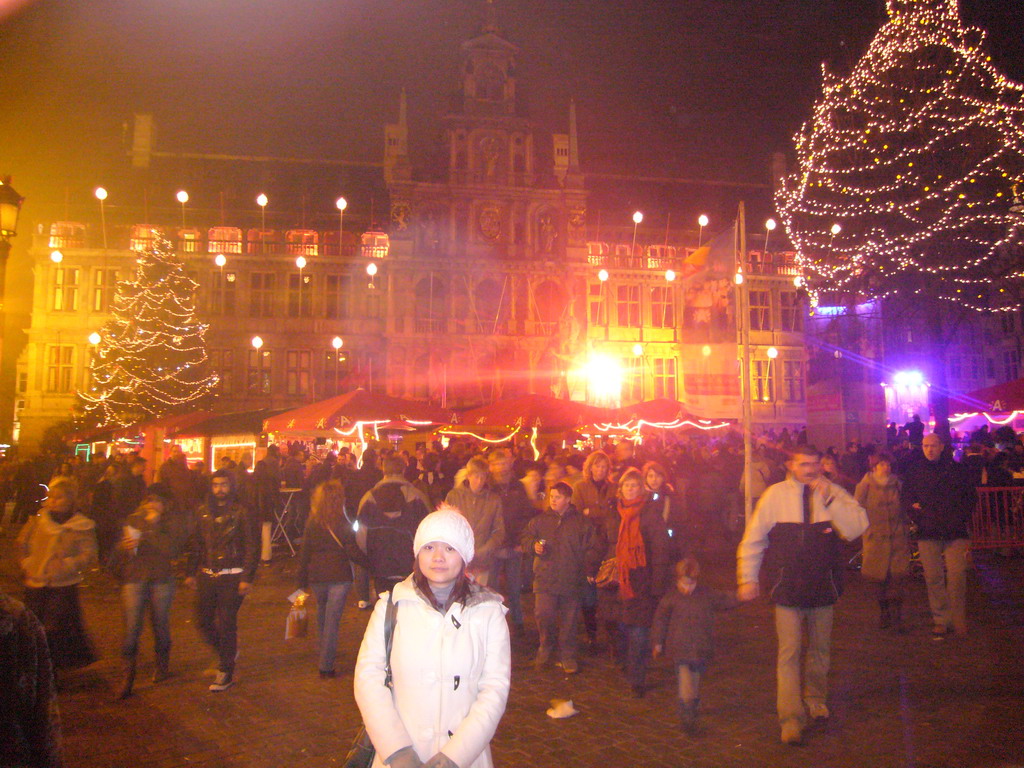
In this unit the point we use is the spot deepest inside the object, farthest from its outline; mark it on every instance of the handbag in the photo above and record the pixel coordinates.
(608, 574)
(362, 751)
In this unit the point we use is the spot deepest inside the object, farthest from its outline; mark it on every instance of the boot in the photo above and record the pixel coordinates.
(896, 617)
(124, 690)
(688, 713)
(590, 624)
(163, 668)
(886, 617)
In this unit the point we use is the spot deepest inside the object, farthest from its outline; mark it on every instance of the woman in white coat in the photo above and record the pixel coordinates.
(450, 658)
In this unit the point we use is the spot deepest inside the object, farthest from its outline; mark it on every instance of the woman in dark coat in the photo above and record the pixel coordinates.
(643, 553)
(325, 565)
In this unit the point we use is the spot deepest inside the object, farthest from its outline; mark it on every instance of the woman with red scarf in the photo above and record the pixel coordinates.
(643, 554)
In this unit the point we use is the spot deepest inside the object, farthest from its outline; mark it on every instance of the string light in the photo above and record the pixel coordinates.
(151, 356)
(876, 156)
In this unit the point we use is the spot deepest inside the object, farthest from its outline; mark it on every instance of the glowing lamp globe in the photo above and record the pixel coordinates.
(670, 275)
(337, 342)
(836, 229)
(371, 269)
(94, 338)
(101, 194)
(772, 353)
(182, 197)
(342, 203)
(602, 275)
(770, 225)
(220, 260)
(300, 262)
(257, 342)
(703, 220)
(56, 257)
(637, 217)
(262, 200)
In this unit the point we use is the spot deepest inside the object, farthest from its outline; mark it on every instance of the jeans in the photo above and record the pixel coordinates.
(509, 569)
(789, 629)
(637, 648)
(330, 602)
(217, 605)
(945, 574)
(557, 616)
(135, 598)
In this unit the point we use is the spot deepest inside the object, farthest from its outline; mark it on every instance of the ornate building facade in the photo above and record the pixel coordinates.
(489, 280)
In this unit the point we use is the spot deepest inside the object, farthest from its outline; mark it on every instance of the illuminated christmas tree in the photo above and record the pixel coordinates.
(151, 358)
(908, 171)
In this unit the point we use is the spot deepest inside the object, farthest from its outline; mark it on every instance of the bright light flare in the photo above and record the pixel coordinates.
(908, 378)
(604, 378)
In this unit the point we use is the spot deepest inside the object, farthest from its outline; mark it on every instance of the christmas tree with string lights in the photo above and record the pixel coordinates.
(151, 359)
(908, 170)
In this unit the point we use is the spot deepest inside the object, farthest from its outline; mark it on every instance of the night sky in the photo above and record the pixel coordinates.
(691, 88)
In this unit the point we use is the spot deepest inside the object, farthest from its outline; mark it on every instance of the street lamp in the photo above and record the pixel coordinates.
(101, 195)
(602, 275)
(182, 198)
(769, 393)
(56, 257)
(257, 344)
(94, 338)
(637, 218)
(371, 270)
(769, 227)
(342, 204)
(300, 262)
(337, 343)
(702, 220)
(261, 201)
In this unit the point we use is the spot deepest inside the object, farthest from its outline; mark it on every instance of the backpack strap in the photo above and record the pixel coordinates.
(390, 614)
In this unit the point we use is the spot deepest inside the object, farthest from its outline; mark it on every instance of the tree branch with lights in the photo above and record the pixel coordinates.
(151, 358)
(916, 156)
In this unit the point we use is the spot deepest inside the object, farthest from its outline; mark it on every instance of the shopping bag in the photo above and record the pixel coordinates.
(297, 623)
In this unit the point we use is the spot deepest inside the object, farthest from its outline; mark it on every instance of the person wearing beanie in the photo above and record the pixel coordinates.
(450, 658)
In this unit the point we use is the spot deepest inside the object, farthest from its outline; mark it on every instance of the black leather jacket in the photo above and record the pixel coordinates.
(225, 537)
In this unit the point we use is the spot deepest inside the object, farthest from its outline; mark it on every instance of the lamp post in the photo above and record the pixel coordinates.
(603, 277)
(769, 227)
(182, 198)
(300, 262)
(257, 344)
(342, 204)
(101, 195)
(637, 218)
(371, 270)
(337, 342)
(261, 201)
(702, 221)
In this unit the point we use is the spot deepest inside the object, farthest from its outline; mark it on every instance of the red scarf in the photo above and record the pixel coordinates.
(630, 552)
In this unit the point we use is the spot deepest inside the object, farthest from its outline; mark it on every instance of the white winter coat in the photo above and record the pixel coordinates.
(450, 672)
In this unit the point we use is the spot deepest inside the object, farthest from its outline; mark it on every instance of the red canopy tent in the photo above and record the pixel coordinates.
(542, 411)
(1000, 398)
(344, 413)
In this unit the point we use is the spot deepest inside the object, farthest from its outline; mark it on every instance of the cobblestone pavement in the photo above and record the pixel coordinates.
(896, 701)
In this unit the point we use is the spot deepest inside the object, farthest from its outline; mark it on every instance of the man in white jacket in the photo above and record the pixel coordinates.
(803, 517)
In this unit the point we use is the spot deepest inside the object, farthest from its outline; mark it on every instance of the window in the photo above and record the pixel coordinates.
(1007, 322)
(297, 371)
(335, 370)
(790, 310)
(300, 291)
(665, 377)
(65, 289)
(1011, 365)
(595, 300)
(762, 384)
(628, 308)
(104, 285)
(59, 367)
(261, 296)
(259, 370)
(663, 307)
(222, 293)
(760, 311)
(955, 368)
(632, 380)
(337, 289)
(22, 383)
(793, 381)
(222, 362)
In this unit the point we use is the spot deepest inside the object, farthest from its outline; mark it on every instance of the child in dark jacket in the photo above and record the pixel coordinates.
(682, 630)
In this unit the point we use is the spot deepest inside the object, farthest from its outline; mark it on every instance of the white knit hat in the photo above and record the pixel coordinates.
(449, 525)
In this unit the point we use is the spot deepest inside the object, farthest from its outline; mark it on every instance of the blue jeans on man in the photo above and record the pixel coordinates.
(507, 577)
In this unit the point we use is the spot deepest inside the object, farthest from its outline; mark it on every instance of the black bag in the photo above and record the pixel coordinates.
(362, 751)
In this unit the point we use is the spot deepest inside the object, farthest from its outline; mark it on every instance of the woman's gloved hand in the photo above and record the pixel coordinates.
(440, 760)
(406, 757)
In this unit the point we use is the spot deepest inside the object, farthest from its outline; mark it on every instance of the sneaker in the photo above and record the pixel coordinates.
(570, 667)
(792, 733)
(223, 681)
(818, 711)
(542, 658)
(362, 605)
(939, 633)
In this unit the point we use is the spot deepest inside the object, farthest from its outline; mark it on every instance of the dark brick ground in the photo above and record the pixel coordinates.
(896, 701)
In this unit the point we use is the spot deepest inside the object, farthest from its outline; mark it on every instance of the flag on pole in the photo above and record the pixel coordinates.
(715, 260)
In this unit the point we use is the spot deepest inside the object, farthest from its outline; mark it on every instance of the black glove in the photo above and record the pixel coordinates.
(440, 760)
(406, 757)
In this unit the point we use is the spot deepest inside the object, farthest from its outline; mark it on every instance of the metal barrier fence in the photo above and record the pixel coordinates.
(998, 519)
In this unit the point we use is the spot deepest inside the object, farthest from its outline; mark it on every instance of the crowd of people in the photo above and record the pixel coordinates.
(608, 541)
